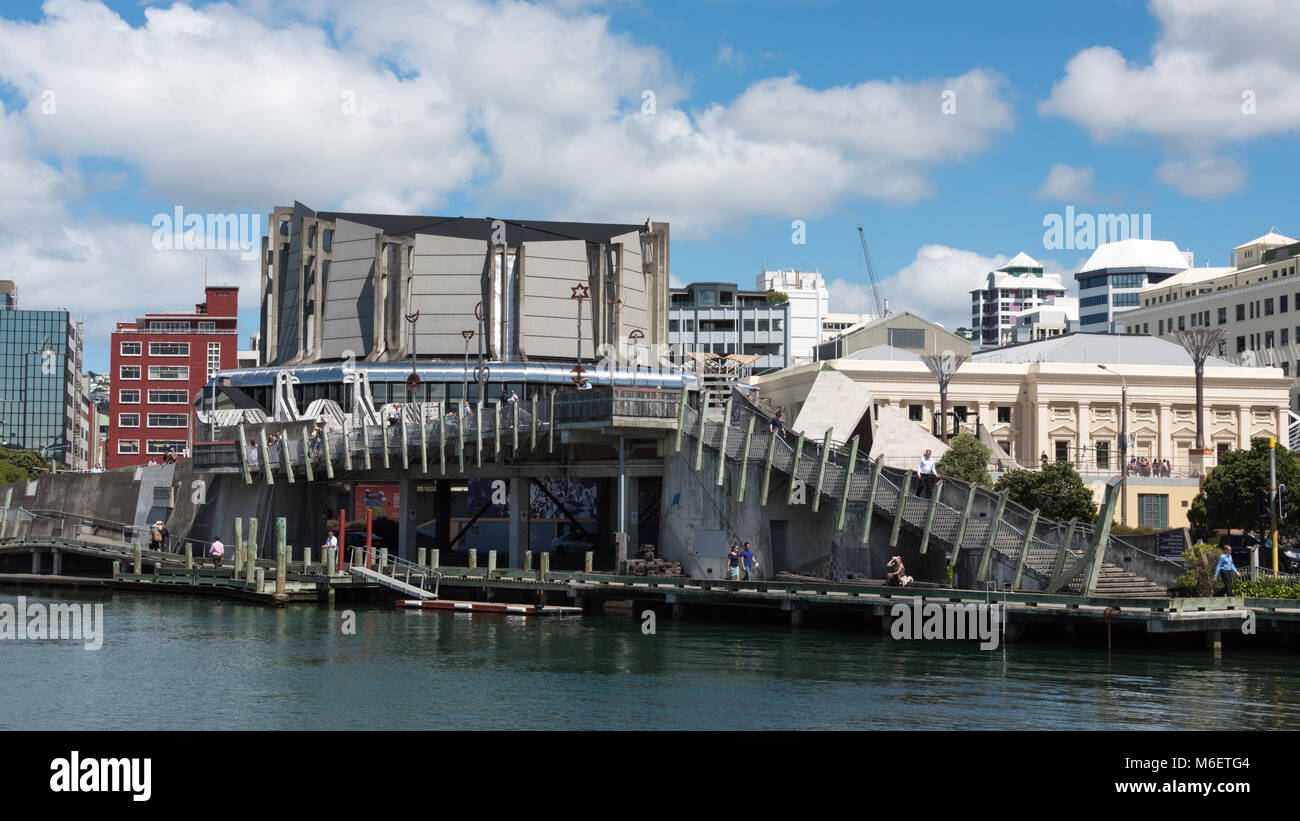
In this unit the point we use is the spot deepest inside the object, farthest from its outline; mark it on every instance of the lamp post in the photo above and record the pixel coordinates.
(464, 380)
(1123, 445)
(580, 292)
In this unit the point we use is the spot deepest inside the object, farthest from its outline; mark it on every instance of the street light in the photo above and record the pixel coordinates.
(1123, 445)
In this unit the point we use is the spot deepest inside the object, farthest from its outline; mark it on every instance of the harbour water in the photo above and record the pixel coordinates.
(171, 662)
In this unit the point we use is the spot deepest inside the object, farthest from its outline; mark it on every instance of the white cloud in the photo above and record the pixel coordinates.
(400, 105)
(1067, 183)
(936, 284)
(1211, 80)
(1206, 177)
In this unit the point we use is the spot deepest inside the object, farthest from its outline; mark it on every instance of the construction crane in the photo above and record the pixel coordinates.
(871, 271)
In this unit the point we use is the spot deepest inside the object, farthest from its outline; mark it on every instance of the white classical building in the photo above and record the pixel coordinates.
(811, 319)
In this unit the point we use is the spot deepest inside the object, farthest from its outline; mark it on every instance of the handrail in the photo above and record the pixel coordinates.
(370, 555)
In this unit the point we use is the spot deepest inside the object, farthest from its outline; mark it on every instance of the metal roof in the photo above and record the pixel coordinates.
(1100, 349)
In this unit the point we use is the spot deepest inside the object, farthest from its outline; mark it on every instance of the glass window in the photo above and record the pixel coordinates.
(162, 446)
(169, 420)
(169, 349)
(1223, 315)
(1062, 450)
(1281, 304)
(169, 372)
(128, 397)
(1241, 311)
(168, 397)
(1268, 307)
(207, 326)
(130, 349)
(749, 324)
(672, 325)
(1153, 510)
(128, 372)
(1004, 414)
(128, 445)
(776, 323)
(915, 413)
(128, 420)
(327, 239)
(763, 324)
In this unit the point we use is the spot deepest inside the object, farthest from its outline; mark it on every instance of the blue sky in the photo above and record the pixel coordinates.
(766, 113)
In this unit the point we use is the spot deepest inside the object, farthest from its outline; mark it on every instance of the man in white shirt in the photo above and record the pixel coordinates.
(927, 473)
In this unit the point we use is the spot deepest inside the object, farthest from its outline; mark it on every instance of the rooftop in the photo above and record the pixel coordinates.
(1271, 238)
(1143, 254)
(1102, 349)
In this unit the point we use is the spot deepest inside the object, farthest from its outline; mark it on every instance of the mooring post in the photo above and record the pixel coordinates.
(586, 561)
(260, 578)
(189, 556)
(137, 564)
(528, 560)
(383, 561)
(420, 555)
(117, 568)
(251, 551)
(492, 562)
(543, 567)
(473, 558)
(238, 551)
(306, 558)
(280, 550)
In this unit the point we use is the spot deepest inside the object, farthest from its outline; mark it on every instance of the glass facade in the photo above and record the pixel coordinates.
(35, 386)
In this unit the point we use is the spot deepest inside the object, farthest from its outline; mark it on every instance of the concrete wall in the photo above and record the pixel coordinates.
(349, 322)
(548, 316)
(448, 283)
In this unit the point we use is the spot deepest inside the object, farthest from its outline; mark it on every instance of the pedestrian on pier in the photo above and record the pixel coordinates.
(331, 541)
(777, 426)
(217, 551)
(747, 561)
(926, 470)
(895, 573)
(158, 538)
(1224, 570)
(733, 563)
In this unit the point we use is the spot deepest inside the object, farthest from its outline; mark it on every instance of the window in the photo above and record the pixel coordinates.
(690, 326)
(1268, 339)
(749, 324)
(327, 239)
(1062, 450)
(907, 338)
(1285, 332)
(1146, 328)
(1103, 455)
(1124, 300)
(311, 237)
(763, 324)
(130, 349)
(776, 323)
(672, 325)
(128, 372)
(1268, 307)
(959, 411)
(1160, 328)
(128, 445)
(162, 446)
(214, 358)
(178, 373)
(1223, 316)
(1180, 324)
(168, 397)
(1241, 311)
(1286, 368)
(160, 325)
(915, 413)
(1281, 304)
(128, 420)
(207, 326)
(169, 349)
(128, 397)
(1004, 414)
(1153, 510)
(1089, 301)
(169, 420)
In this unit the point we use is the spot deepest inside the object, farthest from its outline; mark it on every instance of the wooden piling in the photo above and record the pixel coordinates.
(492, 563)
(281, 549)
(586, 561)
(137, 557)
(251, 551)
(189, 556)
(473, 559)
(528, 560)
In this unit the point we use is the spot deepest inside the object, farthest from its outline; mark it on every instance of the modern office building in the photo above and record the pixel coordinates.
(1055, 317)
(160, 363)
(380, 287)
(1256, 302)
(1113, 277)
(717, 317)
(1018, 286)
(40, 368)
(812, 322)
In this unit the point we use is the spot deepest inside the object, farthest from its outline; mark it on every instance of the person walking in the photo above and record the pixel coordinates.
(776, 425)
(1042, 460)
(747, 561)
(926, 470)
(733, 563)
(1224, 570)
(217, 551)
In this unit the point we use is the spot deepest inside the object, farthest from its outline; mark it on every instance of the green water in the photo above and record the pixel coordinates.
(194, 663)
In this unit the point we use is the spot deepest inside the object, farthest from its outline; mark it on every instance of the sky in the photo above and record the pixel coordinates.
(765, 133)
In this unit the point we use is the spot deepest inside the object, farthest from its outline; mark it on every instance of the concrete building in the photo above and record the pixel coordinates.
(1050, 397)
(1256, 302)
(40, 369)
(1113, 277)
(1055, 317)
(716, 317)
(812, 321)
(339, 286)
(160, 362)
(904, 331)
(1018, 286)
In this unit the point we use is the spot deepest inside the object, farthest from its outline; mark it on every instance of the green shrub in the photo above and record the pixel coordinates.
(1268, 587)
(1200, 560)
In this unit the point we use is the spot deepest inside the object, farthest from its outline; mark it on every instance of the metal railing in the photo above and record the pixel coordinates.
(397, 568)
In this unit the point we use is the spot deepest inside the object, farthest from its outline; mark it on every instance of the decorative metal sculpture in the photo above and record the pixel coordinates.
(944, 366)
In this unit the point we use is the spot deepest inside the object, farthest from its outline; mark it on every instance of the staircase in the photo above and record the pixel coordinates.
(836, 484)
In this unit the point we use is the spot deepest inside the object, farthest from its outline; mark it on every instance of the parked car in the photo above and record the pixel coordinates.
(357, 538)
(573, 543)
(1242, 546)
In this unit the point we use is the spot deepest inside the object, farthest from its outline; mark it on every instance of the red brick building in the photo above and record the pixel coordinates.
(160, 362)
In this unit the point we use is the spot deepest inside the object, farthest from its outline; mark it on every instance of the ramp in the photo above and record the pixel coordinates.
(401, 585)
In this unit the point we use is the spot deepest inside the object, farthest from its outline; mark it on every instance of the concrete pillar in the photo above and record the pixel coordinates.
(1165, 449)
(1243, 428)
(1083, 437)
(1214, 641)
(56, 562)
(189, 556)
(473, 558)
(306, 557)
(407, 520)
(434, 555)
(518, 534)
(492, 563)
(1040, 436)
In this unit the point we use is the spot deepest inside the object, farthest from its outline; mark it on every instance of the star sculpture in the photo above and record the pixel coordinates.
(580, 292)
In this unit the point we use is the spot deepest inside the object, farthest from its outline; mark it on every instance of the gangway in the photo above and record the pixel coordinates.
(399, 573)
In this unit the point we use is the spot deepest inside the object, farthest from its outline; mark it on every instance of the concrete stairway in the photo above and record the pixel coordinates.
(1117, 583)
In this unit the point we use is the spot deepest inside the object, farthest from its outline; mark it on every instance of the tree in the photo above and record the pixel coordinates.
(1228, 494)
(19, 465)
(1056, 492)
(777, 297)
(967, 459)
